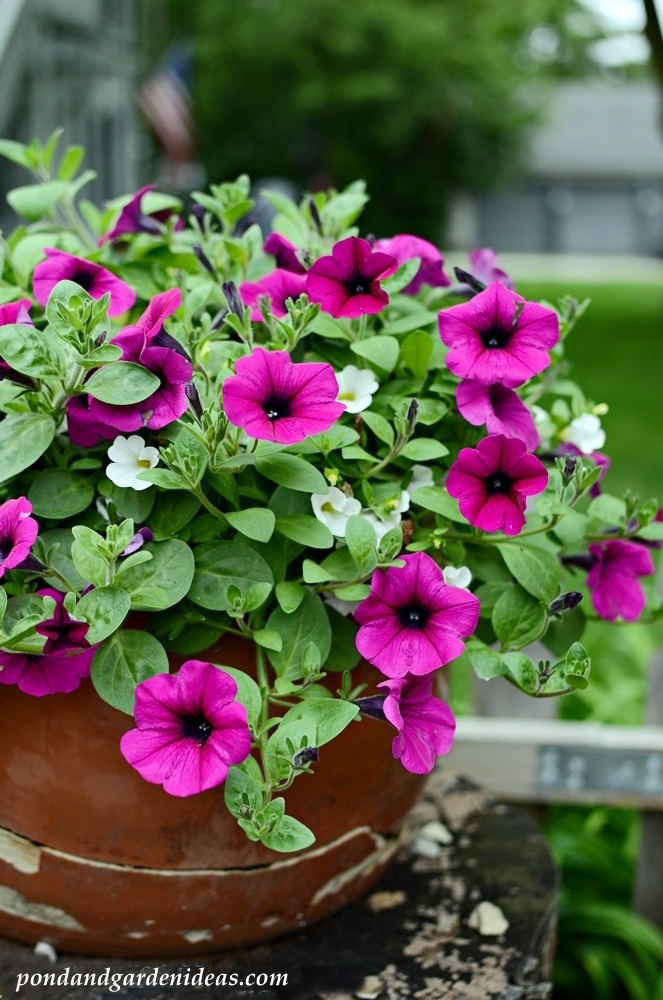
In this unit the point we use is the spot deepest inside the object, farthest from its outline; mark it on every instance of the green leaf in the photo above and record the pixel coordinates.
(438, 500)
(124, 660)
(38, 353)
(416, 351)
(523, 671)
(305, 530)
(225, 564)
(607, 509)
(536, 570)
(104, 609)
(313, 573)
(243, 788)
(379, 350)
(134, 504)
(380, 427)
(362, 543)
(14, 151)
(487, 663)
(122, 383)
(161, 582)
(24, 437)
(343, 654)
(254, 522)
(411, 321)
(288, 835)
(58, 494)
(35, 200)
(269, 639)
(171, 511)
(518, 618)
(289, 595)
(424, 450)
(402, 277)
(307, 623)
(291, 471)
(329, 716)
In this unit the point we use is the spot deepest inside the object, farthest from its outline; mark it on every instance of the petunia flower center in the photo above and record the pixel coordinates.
(196, 727)
(495, 337)
(276, 407)
(84, 279)
(413, 615)
(498, 482)
(358, 285)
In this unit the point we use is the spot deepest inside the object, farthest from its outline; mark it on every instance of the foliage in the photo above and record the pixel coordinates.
(223, 519)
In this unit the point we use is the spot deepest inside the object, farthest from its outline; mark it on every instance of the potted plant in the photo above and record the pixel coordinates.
(255, 494)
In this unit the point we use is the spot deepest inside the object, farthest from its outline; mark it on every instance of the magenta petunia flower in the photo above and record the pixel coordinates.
(285, 253)
(277, 286)
(492, 481)
(347, 282)
(499, 408)
(613, 579)
(132, 219)
(18, 532)
(150, 324)
(64, 661)
(274, 399)
(483, 261)
(412, 622)
(425, 723)
(85, 430)
(16, 312)
(95, 279)
(404, 247)
(498, 337)
(190, 729)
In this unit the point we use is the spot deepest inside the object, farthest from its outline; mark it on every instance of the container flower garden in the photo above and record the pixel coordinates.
(256, 495)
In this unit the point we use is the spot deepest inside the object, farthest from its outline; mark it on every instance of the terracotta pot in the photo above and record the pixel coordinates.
(95, 860)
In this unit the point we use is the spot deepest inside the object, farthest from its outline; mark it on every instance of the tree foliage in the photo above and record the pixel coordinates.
(418, 97)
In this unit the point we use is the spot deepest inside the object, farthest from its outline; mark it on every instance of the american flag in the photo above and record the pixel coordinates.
(165, 103)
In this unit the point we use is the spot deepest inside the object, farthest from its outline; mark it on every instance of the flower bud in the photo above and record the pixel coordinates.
(565, 602)
(193, 396)
(204, 259)
(466, 278)
(233, 299)
(307, 755)
(315, 215)
(569, 468)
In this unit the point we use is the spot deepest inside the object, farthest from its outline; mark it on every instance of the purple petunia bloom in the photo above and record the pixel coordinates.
(404, 247)
(277, 286)
(95, 279)
(492, 481)
(150, 324)
(18, 532)
(412, 622)
(65, 659)
(483, 267)
(347, 282)
(190, 729)
(285, 253)
(613, 579)
(425, 723)
(499, 408)
(132, 219)
(274, 399)
(83, 428)
(498, 337)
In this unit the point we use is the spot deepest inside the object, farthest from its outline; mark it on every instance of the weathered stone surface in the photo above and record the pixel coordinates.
(416, 943)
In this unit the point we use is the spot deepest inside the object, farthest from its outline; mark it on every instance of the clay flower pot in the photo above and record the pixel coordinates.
(95, 860)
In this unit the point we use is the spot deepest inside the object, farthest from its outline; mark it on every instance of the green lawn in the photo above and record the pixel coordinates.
(617, 355)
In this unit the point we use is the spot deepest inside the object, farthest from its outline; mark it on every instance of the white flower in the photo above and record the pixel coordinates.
(129, 457)
(457, 576)
(545, 425)
(334, 509)
(355, 388)
(421, 476)
(390, 510)
(585, 433)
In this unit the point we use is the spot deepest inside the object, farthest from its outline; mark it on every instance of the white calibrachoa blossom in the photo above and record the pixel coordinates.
(457, 576)
(334, 509)
(356, 387)
(586, 433)
(129, 457)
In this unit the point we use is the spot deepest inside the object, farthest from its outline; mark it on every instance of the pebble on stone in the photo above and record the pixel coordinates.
(488, 919)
